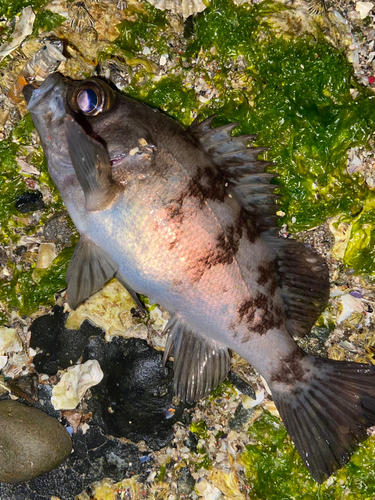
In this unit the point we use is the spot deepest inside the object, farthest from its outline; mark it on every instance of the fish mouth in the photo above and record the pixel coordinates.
(117, 158)
(52, 90)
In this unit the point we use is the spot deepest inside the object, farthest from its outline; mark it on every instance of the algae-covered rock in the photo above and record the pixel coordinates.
(31, 442)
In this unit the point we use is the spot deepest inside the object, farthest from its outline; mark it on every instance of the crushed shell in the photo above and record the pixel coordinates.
(109, 309)
(9, 341)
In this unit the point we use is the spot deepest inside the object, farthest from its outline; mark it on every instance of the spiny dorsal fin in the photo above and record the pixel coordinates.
(304, 281)
(239, 164)
(200, 364)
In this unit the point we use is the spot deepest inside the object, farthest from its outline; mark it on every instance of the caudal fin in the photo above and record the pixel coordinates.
(327, 412)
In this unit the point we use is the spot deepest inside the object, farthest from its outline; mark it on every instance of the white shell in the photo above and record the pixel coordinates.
(364, 8)
(47, 252)
(350, 305)
(67, 394)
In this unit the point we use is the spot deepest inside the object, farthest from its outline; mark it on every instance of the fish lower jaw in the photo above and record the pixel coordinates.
(117, 158)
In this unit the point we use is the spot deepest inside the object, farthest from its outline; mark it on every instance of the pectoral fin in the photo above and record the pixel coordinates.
(92, 166)
(89, 269)
(200, 364)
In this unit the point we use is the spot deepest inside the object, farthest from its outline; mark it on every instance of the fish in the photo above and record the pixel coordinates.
(187, 217)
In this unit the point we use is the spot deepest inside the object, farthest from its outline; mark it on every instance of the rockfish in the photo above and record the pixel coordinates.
(188, 218)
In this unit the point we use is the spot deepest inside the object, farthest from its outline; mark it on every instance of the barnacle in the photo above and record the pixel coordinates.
(316, 7)
(80, 17)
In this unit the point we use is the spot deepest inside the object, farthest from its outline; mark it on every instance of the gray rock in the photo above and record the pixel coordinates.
(31, 442)
(185, 482)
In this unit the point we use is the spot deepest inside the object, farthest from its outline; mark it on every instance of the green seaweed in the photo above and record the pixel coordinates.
(360, 252)
(28, 289)
(275, 470)
(47, 20)
(9, 8)
(199, 428)
(149, 27)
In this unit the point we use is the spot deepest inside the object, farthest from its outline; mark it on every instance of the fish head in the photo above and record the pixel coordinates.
(112, 119)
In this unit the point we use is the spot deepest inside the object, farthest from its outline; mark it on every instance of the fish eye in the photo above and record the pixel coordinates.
(87, 101)
(91, 97)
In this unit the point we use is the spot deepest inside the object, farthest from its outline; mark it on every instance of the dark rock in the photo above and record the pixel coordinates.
(25, 387)
(191, 441)
(31, 442)
(241, 416)
(134, 400)
(57, 229)
(241, 385)
(94, 457)
(59, 347)
(185, 481)
(30, 201)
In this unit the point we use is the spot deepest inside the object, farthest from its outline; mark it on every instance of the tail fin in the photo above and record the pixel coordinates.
(327, 413)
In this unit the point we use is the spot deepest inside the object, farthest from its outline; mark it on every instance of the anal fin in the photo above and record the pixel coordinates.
(89, 269)
(200, 364)
(92, 166)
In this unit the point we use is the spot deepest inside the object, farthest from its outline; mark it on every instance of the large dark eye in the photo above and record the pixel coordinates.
(91, 97)
(88, 101)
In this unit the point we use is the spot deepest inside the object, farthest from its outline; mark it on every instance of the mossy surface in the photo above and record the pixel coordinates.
(275, 470)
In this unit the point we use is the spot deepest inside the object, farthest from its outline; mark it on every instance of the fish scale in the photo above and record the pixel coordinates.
(188, 217)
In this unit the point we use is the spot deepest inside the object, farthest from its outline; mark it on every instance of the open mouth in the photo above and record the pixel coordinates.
(117, 158)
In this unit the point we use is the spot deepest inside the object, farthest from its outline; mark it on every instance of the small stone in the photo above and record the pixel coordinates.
(191, 442)
(57, 230)
(30, 201)
(241, 416)
(241, 385)
(31, 442)
(185, 482)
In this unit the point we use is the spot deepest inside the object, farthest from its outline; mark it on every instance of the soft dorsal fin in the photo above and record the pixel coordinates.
(200, 364)
(239, 164)
(304, 281)
(303, 274)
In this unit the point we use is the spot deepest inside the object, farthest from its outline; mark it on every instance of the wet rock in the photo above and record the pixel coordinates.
(241, 416)
(241, 385)
(94, 457)
(57, 230)
(134, 399)
(185, 481)
(59, 347)
(31, 442)
(30, 201)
